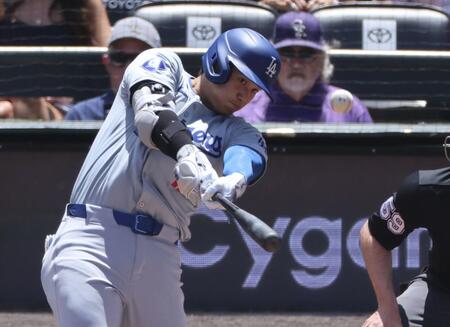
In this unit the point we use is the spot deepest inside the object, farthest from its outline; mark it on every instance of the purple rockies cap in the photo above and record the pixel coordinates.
(298, 29)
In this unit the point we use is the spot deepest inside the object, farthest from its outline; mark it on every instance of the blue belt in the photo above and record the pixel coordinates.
(139, 224)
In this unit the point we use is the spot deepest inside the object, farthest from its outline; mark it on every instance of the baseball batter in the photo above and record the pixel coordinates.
(168, 137)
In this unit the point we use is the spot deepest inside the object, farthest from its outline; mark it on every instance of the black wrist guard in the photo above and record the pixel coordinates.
(170, 134)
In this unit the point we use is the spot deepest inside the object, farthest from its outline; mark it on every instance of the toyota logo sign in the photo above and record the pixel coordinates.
(204, 32)
(379, 35)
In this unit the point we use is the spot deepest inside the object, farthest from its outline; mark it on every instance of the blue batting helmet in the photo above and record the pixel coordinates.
(250, 52)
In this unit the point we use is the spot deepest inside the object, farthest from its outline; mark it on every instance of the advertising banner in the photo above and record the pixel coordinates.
(316, 194)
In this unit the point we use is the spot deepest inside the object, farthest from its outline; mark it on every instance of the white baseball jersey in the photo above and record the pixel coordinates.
(120, 172)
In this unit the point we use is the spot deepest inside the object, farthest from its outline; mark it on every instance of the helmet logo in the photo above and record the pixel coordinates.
(204, 32)
(271, 70)
(299, 28)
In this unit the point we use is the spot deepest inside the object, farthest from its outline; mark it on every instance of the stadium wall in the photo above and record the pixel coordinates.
(321, 183)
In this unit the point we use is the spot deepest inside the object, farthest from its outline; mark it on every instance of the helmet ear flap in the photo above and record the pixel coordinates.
(215, 62)
(215, 66)
(217, 69)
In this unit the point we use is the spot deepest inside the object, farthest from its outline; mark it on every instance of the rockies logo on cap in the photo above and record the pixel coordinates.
(299, 28)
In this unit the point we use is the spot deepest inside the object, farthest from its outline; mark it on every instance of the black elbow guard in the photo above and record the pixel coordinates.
(170, 134)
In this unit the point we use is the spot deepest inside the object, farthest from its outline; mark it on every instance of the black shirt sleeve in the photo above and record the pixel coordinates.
(399, 215)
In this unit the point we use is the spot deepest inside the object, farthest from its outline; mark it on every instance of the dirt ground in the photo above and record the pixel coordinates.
(214, 320)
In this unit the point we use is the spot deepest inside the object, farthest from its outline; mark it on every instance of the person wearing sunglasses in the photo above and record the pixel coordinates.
(129, 37)
(302, 92)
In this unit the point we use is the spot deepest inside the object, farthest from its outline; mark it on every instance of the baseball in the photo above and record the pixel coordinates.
(341, 101)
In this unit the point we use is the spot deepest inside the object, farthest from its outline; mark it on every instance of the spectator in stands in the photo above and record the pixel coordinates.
(34, 108)
(130, 36)
(297, 5)
(443, 4)
(120, 9)
(6, 109)
(302, 92)
(44, 23)
(53, 22)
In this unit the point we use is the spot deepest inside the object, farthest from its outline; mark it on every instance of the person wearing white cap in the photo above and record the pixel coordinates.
(129, 37)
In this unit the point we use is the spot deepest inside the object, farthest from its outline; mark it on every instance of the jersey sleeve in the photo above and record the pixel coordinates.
(242, 133)
(157, 65)
(399, 215)
(242, 159)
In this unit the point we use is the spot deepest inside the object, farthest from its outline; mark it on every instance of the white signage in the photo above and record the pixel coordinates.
(312, 270)
(379, 34)
(202, 31)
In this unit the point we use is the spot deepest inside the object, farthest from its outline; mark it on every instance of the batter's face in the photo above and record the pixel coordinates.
(120, 54)
(300, 69)
(228, 97)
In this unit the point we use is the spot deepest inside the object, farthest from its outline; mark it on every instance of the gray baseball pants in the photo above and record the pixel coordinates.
(423, 304)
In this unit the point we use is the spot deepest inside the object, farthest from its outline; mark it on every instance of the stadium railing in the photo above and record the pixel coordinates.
(402, 85)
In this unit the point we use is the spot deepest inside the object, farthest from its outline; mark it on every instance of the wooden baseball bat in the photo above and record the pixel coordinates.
(258, 230)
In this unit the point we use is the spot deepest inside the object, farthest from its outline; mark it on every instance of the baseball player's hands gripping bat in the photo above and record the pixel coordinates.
(259, 231)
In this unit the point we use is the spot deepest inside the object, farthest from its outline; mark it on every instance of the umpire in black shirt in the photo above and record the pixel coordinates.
(422, 200)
